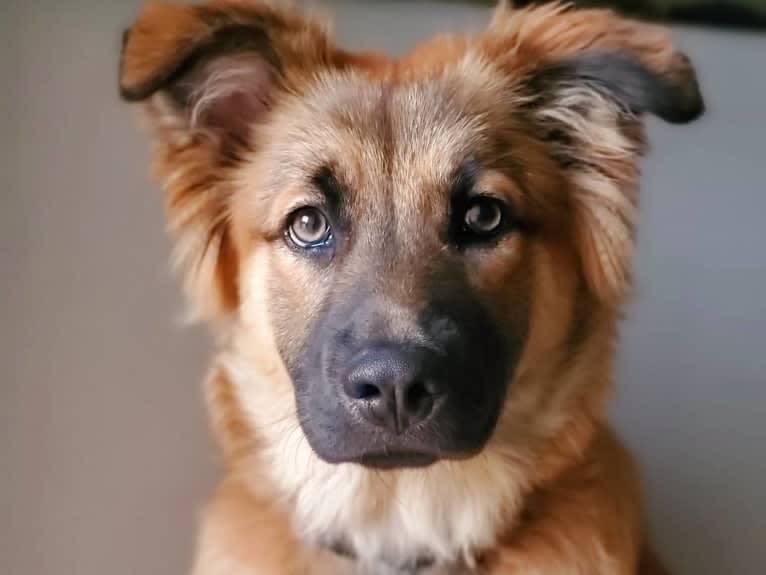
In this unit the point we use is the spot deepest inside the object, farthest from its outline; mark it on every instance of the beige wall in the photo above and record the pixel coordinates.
(104, 455)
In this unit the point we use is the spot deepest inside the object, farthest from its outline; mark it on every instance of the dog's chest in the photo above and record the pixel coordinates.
(341, 565)
(366, 557)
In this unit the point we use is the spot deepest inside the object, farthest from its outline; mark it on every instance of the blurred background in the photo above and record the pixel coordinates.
(105, 458)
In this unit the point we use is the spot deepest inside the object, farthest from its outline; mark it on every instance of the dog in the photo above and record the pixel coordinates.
(414, 269)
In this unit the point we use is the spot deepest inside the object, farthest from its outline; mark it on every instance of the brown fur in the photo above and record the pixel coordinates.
(553, 492)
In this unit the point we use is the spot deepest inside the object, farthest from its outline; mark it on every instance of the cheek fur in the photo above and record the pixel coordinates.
(297, 289)
(501, 279)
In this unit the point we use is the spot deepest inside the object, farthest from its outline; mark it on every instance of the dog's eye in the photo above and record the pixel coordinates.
(309, 228)
(484, 216)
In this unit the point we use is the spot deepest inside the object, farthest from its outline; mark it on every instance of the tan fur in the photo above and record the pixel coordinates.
(553, 492)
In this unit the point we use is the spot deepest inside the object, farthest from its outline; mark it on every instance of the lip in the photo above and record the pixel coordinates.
(397, 459)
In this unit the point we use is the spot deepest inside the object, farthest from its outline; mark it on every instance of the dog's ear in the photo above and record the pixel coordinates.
(587, 78)
(207, 75)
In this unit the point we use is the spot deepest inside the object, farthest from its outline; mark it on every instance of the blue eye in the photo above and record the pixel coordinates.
(308, 228)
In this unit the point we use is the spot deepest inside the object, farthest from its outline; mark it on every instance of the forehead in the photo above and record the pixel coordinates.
(390, 133)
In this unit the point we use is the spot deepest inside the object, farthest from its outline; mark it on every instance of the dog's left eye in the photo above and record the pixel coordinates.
(309, 228)
(483, 216)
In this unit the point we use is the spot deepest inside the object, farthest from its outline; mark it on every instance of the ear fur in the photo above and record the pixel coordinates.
(205, 75)
(589, 77)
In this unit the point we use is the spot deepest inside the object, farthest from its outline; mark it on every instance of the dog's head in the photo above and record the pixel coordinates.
(412, 238)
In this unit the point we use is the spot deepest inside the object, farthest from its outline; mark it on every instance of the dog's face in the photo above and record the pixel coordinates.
(420, 233)
(398, 282)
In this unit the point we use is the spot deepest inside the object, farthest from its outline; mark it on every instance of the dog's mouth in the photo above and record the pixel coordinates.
(397, 459)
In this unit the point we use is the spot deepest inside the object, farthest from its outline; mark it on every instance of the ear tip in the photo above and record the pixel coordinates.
(129, 90)
(130, 94)
(126, 93)
(693, 109)
(150, 46)
(689, 103)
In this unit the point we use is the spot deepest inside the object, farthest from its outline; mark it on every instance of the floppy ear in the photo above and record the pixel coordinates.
(207, 75)
(588, 77)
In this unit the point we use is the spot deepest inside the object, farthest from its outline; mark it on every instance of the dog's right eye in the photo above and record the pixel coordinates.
(483, 217)
(308, 228)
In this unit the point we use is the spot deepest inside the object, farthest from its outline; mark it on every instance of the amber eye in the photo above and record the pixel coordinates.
(309, 228)
(484, 216)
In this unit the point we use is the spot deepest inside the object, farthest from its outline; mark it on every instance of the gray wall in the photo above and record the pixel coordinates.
(104, 455)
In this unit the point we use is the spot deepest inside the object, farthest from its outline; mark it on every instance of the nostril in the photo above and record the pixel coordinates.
(364, 391)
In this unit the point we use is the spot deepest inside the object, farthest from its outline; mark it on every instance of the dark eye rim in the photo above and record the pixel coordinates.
(295, 242)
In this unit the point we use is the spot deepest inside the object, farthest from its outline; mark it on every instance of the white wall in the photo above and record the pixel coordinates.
(104, 454)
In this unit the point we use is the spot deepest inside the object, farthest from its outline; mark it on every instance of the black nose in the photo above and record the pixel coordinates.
(394, 386)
